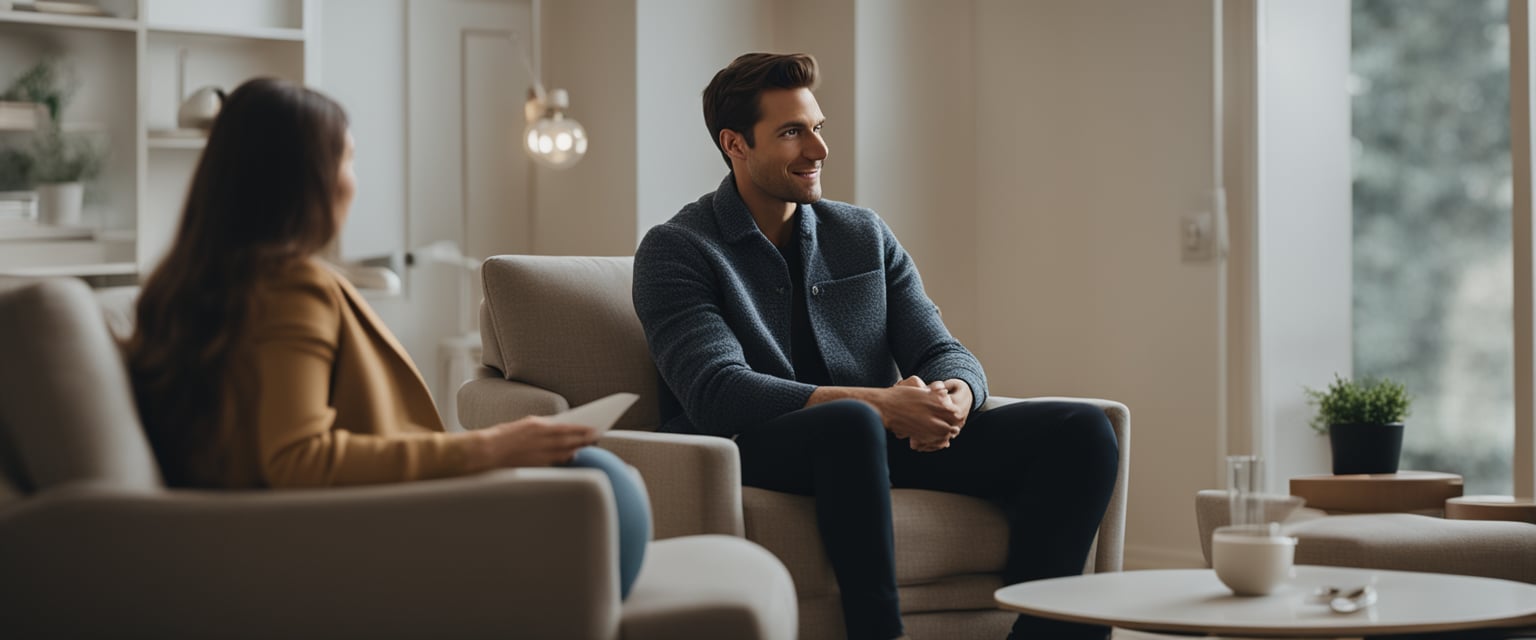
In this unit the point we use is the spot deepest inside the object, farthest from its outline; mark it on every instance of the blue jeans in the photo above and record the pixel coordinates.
(634, 511)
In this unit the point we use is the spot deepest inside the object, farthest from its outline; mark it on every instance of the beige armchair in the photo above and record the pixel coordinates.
(562, 331)
(93, 545)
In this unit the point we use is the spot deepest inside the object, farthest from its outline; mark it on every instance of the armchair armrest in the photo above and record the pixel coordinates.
(694, 481)
(516, 553)
(490, 399)
(1109, 547)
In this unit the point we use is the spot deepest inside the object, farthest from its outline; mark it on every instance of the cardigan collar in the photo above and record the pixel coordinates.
(736, 221)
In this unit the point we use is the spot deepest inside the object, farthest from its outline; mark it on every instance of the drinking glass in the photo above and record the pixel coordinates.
(1245, 488)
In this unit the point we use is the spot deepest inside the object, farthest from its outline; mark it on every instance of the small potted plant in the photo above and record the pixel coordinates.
(60, 162)
(1363, 421)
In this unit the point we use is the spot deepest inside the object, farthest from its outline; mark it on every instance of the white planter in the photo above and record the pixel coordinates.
(59, 204)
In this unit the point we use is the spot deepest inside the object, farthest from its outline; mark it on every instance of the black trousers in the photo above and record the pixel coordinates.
(1050, 465)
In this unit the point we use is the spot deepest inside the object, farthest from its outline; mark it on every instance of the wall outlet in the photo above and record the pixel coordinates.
(1197, 237)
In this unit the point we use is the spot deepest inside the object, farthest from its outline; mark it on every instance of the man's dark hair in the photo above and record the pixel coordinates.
(731, 101)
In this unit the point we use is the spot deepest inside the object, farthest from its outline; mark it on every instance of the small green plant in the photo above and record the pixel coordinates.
(52, 155)
(45, 84)
(15, 170)
(1369, 402)
(62, 157)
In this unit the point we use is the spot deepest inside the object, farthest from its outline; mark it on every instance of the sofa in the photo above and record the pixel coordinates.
(562, 331)
(92, 544)
(1394, 541)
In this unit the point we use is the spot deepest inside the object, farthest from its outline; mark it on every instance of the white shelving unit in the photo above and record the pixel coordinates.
(125, 69)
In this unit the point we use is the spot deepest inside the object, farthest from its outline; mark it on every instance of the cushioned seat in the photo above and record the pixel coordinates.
(562, 331)
(92, 544)
(1398, 541)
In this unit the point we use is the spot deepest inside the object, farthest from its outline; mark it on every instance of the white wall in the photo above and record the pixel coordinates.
(1304, 223)
(363, 67)
(679, 45)
(1094, 136)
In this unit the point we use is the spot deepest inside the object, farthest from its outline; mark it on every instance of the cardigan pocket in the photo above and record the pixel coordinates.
(848, 315)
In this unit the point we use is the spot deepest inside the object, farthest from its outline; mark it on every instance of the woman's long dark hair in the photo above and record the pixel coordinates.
(262, 197)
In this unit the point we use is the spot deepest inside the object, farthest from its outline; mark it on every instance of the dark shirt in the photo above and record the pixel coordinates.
(805, 356)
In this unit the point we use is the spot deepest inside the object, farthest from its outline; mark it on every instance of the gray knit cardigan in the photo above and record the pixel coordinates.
(713, 296)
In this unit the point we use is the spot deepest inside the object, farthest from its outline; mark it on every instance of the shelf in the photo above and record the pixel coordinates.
(74, 270)
(253, 33)
(22, 116)
(69, 21)
(29, 231)
(178, 143)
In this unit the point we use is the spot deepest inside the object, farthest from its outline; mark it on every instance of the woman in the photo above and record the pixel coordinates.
(255, 365)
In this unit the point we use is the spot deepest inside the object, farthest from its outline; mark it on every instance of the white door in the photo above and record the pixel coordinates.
(467, 180)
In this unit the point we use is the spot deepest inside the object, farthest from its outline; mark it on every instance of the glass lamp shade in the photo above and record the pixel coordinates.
(555, 141)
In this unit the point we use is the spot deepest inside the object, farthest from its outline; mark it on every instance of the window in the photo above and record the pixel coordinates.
(1432, 198)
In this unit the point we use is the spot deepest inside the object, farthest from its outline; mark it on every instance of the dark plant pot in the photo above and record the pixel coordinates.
(1365, 448)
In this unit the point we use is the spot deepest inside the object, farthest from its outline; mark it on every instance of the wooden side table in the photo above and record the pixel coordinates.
(1423, 492)
(1491, 508)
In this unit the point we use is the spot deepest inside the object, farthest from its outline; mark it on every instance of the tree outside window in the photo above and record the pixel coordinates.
(1432, 196)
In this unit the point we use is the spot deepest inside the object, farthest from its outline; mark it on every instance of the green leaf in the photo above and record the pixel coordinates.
(1381, 401)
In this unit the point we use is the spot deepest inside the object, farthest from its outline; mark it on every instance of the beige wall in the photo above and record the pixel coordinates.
(1094, 136)
(680, 44)
(916, 141)
(826, 29)
(589, 49)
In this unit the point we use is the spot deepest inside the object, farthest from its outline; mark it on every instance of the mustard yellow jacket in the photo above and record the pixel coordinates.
(319, 393)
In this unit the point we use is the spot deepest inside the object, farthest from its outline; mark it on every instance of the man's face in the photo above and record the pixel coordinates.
(785, 162)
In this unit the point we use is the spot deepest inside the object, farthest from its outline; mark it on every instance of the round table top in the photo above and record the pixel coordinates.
(1194, 601)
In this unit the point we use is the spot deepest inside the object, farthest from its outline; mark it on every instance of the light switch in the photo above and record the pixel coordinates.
(1197, 237)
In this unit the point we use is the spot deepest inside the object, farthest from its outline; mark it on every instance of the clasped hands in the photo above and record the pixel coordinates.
(928, 415)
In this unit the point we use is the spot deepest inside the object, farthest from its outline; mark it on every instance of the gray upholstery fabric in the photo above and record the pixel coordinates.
(314, 564)
(956, 544)
(938, 535)
(1412, 542)
(98, 548)
(683, 474)
(502, 400)
(1397, 541)
(694, 485)
(67, 414)
(601, 347)
(690, 588)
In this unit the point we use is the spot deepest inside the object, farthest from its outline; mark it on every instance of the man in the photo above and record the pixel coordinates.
(799, 327)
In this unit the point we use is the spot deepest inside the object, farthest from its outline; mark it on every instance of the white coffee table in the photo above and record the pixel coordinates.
(1194, 601)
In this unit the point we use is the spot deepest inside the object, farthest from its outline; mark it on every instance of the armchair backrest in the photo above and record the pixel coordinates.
(67, 414)
(567, 324)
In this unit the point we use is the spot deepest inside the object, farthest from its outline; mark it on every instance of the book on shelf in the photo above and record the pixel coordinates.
(22, 116)
(18, 205)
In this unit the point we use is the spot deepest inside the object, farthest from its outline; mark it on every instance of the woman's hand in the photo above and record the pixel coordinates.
(532, 442)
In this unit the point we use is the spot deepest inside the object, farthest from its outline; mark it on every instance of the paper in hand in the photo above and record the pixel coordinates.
(598, 414)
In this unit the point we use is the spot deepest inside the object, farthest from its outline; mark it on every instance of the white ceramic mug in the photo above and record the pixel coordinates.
(1252, 561)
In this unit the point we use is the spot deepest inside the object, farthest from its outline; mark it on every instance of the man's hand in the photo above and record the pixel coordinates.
(960, 393)
(914, 411)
